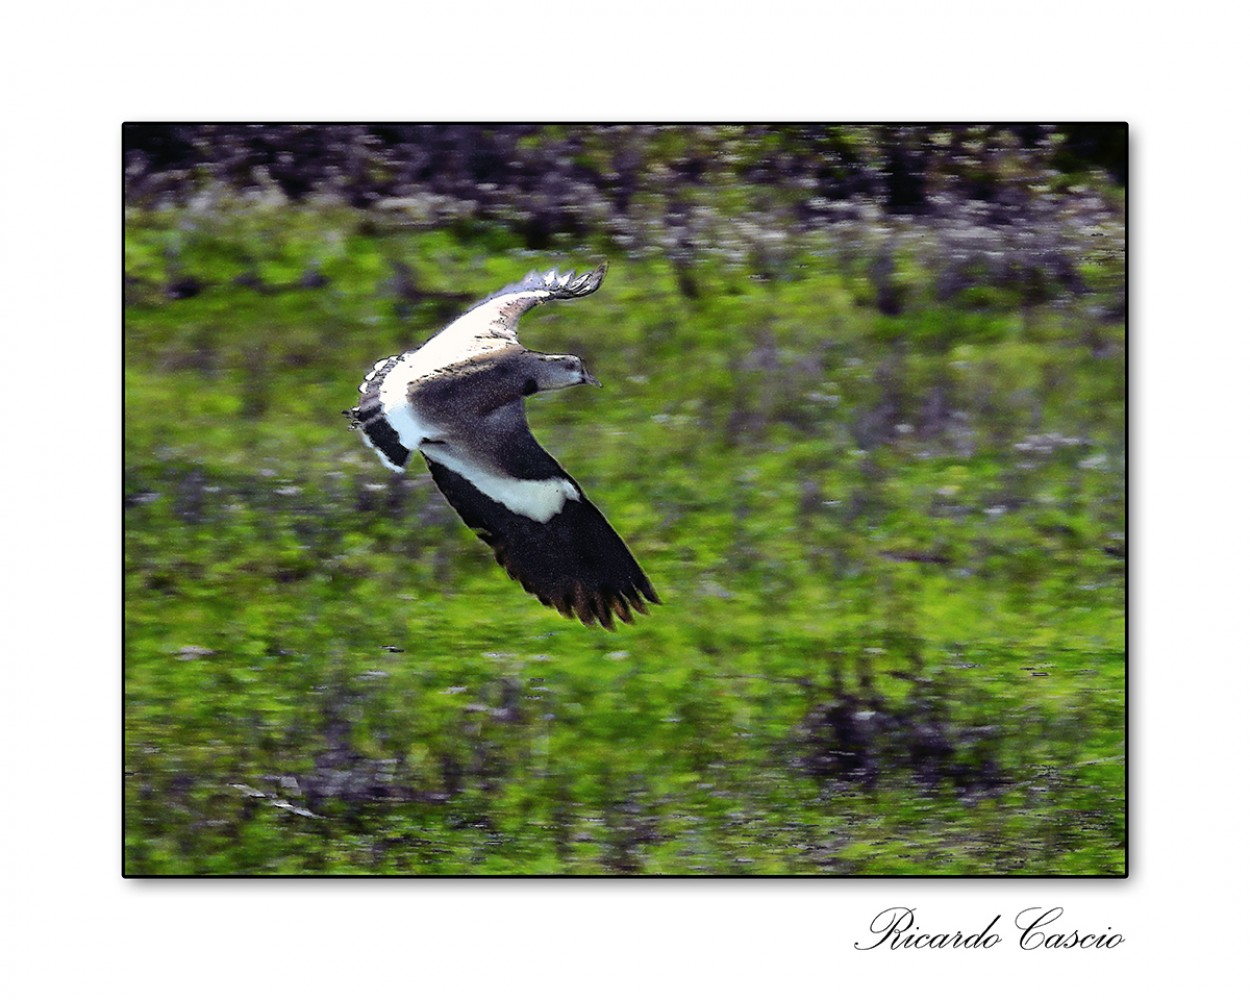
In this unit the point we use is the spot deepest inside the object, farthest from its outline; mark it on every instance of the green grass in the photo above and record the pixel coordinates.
(909, 523)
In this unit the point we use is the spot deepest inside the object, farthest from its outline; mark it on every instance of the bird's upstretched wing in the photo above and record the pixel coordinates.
(496, 316)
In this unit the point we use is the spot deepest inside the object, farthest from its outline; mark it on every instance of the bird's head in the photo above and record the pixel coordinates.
(557, 371)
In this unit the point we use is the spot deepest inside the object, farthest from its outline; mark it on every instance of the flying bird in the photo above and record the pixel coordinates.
(459, 400)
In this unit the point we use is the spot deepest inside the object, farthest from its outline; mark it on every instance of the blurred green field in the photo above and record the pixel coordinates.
(890, 547)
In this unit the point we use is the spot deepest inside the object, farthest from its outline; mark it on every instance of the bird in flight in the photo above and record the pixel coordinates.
(459, 400)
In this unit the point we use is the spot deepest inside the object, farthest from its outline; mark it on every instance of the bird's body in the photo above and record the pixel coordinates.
(459, 400)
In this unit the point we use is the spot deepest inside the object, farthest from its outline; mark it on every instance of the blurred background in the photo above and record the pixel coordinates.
(863, 425)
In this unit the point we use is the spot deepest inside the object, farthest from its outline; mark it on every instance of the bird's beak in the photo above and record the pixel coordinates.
(589, 379)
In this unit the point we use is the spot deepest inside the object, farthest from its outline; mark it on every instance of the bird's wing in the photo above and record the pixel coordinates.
(544, 531)
(496, 316)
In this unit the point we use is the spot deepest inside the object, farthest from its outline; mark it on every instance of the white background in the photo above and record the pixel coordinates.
(71, 73)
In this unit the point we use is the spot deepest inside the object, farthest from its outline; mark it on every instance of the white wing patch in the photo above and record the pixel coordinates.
(538, 499)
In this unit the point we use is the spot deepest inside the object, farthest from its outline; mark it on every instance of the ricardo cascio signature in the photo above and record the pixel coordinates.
(1036, 929)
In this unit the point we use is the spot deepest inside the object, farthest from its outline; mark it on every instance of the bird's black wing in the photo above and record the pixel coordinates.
(574, 561)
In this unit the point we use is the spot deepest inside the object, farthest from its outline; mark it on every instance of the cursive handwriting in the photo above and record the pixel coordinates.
(896, 928)
(1033, 937)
